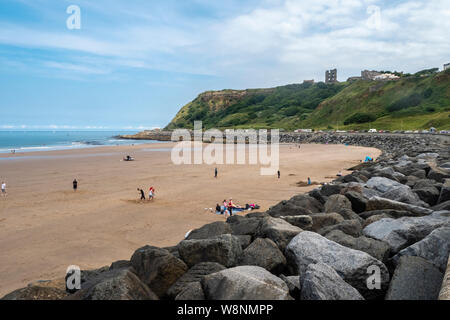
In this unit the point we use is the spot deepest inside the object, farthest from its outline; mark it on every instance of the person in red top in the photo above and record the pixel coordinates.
(151, 193)
(230, 206)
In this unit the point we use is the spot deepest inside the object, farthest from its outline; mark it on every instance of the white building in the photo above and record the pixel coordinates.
(446, 66)
(386, 76)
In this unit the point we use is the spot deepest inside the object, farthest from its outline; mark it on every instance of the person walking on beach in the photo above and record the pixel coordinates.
(279, 174)
(75, 184)
(215, 173)
(309, 181)
(3, 189)
(151, 193)
(141, 192)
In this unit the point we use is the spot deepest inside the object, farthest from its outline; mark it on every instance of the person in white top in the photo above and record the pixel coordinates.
(3, 188)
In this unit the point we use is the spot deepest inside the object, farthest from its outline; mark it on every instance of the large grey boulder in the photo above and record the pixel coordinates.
(357, 200)
(404, 194)
(192, 291)
(428, 156)
(377, 249)
(379, 203)
(322, 282)
(429, 195)
(336, 202)
(415, 279)
(278, 230)
(293, 283)
(420, 174)
(352, 265)
(445, 192)
(263, 253)
(246, 226)
(316, 194)
(297, 205)
(386, 172)
(36, 292)
(405, 231)
(349, 214)
(244, 240)
(442, 206)
(119, 284)
(224, 249)
(424, 183)
(120, 264)
(375, 218)
(195, 274)
(210, 230)
(438, 174)
(434, 248)
(330, 189)
(303, 222)
(350, 227)
(321, 220)
(157, 268)
(245, 283)
(382, 184)
(87, 275)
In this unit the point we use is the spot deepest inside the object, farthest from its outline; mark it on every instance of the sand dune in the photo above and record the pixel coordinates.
(45, 226)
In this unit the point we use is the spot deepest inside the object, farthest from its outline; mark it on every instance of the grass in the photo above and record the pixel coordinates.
(415, 102)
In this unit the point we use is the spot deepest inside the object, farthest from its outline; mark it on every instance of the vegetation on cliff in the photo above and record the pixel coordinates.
(419, 101)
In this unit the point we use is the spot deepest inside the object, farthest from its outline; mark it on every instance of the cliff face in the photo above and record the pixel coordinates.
(217, 100)
(410, 103)
(211, 102)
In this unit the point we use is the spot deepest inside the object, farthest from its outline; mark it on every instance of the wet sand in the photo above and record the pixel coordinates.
(45, 226)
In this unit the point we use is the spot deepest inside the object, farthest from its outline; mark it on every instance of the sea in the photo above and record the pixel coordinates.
(31, 141)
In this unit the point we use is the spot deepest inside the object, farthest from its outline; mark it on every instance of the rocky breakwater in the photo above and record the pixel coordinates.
(381, 232)
(155, 135)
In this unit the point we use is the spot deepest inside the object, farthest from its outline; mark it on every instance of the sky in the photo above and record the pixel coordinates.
(133, 64)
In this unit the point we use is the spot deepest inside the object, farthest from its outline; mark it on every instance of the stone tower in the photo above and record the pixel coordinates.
(331, 76)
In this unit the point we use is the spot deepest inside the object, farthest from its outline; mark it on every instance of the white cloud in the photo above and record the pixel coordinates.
(285, 40)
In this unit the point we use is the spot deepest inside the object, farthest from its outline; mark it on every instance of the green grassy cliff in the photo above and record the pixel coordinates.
(419, 101)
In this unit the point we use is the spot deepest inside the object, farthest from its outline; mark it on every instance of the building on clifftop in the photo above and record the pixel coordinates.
(331, 76)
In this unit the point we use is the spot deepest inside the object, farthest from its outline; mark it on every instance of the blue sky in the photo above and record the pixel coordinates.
(134, 63)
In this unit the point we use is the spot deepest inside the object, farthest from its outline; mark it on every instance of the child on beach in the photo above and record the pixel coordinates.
(75, 185)
(151, 191)
(225, 206)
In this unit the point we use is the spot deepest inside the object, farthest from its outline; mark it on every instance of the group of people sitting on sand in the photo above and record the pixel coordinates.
(227, 208)
(151, 193)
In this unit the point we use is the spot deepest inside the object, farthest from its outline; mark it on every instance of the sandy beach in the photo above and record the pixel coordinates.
(45, 226)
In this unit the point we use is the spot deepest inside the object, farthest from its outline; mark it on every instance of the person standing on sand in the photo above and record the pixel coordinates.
(141, 192)
(225, 206)
(75, 184)
(279, 174)
(3, 189)
(215, 173)
(230, 207)
(309, 181)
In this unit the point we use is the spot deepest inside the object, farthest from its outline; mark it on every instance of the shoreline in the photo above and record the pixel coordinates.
(46, 227)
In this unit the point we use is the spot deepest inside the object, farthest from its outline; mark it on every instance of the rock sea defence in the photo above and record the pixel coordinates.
(380, 232)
